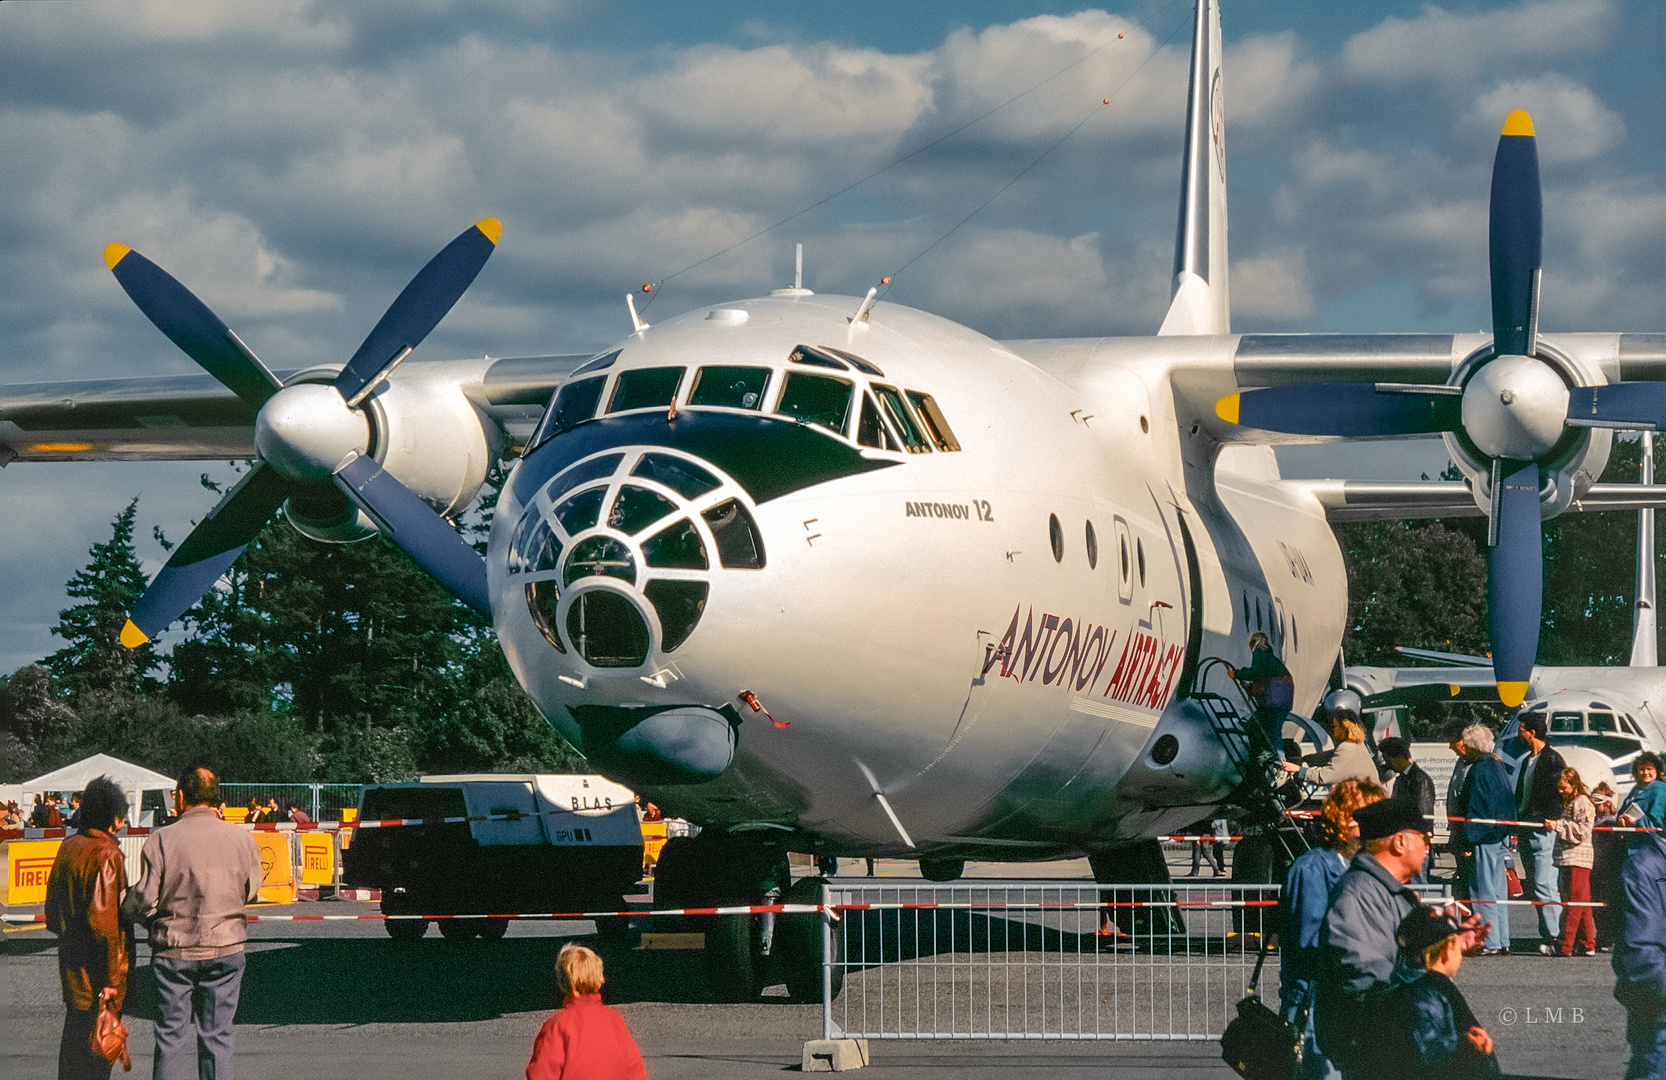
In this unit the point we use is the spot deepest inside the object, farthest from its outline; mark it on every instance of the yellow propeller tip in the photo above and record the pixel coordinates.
(114, 254)
(1518, 123)
(1227, 408)
(132, 636)
(492, 227)
(1512, 693)
(1451, 689)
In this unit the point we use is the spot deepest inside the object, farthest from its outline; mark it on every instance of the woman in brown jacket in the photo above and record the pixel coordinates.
(83, 899)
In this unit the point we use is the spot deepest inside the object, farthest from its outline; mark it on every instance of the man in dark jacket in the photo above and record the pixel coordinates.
(83, 900)
(1486, 798)
(1640, 955)
(1356, 943)
(1538, 799)
(1414, 787)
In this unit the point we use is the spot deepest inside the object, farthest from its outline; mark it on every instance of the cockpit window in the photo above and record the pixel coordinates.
(1566, 722)
(816, 399)
(599, 363)
(933, 420)
(866, 367)
(580, 512)
(816, 358)
(582, 473)
(903, 419)
(870, 430)
(1600, 721)
(684, 477)
(572, 404)
(645, 388)
(732, 387)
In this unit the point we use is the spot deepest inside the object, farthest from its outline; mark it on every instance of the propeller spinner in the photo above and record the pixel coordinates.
(306, 433)
(1513, 408)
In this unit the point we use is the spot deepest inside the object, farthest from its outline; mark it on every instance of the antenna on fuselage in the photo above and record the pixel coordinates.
(1645, 639)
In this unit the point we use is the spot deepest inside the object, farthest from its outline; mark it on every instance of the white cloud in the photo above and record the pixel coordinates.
(1444, 46)
(1571, 122)
(1272, 287)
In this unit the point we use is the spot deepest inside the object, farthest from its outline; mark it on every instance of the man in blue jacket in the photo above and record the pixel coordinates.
(1640, 955)
(1487, 796)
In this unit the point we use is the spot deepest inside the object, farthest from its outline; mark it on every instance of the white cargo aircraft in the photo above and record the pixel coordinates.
(840, 576)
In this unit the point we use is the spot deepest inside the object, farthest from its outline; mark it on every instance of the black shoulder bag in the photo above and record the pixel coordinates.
(1258, 1045)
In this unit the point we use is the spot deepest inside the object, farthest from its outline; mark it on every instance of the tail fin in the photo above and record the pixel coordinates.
(1200, 303)
(1644, 640)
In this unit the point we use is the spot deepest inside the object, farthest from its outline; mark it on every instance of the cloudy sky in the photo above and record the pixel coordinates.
(295, 162)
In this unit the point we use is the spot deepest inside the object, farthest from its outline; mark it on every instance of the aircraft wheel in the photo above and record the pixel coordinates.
(493, 929)
(613, 928)
(942, 869)
(798, 942)
(406, 929)
(459, 929)
(734, 961)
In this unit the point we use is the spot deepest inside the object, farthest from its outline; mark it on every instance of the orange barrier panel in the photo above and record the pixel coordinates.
(318, 859)
(277, 883)
(653, 839)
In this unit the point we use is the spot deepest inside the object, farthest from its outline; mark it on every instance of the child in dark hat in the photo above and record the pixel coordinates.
(1428, 1030)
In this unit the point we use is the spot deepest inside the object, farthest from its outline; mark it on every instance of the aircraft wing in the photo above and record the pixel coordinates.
(1369, 500)
(194, 417)
(1382, 687)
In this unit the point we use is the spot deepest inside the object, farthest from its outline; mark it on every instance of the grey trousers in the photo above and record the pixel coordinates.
(203, 994)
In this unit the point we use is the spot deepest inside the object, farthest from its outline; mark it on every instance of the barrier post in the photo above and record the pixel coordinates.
(829, 953)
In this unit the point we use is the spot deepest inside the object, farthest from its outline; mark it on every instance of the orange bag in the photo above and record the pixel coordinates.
(109, 1037)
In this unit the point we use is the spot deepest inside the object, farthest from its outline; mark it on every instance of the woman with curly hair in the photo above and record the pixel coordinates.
(1302, 907)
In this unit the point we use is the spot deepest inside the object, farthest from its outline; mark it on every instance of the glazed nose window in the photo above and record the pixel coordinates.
(600, 555)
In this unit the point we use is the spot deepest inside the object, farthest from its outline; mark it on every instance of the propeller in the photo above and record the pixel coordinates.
(1513, 407)
(312, 440)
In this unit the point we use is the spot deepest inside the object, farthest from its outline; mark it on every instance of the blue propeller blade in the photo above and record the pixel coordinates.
(419, 308)
(1514, 237)
(421, 533)
(1515, 579)
(213, 546)
(1356, 409)
(188, 323)
(1634, 405)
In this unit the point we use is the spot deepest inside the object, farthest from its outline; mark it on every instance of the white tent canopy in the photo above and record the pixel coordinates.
(133, 779)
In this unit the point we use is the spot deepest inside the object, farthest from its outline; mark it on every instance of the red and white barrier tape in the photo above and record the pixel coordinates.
(1539, 825)
(315, 826)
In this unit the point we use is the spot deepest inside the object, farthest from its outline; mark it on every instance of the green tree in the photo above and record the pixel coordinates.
(39, 726)
(93, 657)
(1418, 584)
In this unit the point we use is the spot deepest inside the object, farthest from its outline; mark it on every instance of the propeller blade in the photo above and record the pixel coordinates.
(1627, 405)
(1357, 409)
(1515, 579)
(420, 532)
(188, 323)
(213, 546)
(418, 309)
(1514, 238)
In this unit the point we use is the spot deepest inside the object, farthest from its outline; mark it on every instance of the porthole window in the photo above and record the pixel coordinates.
(1145, 426)
(1122, 543)
(1258, 625)
(1295, 634)
(1246, 608)
(1093, 548)
(1165, 750)
(1139, 557)
(1055, 534)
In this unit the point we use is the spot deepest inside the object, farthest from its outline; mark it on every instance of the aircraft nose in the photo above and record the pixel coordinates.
(617, 554)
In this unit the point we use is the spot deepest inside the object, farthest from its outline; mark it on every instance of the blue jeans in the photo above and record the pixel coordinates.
(1539, 880)
(203, 993)
(1490, 860)
(1296, 1005)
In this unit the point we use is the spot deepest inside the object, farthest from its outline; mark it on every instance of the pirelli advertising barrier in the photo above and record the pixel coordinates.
(30, 862)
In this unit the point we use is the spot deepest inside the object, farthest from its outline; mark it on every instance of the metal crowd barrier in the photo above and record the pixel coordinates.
(1045, 960)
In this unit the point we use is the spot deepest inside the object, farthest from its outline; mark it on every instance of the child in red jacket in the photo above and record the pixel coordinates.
(584, 1040)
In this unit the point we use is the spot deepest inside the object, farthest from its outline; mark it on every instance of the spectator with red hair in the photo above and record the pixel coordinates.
(1302, 907)
(584, 1040)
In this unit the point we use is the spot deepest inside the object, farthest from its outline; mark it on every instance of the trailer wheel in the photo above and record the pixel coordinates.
(734, 960)
(459, 929)
(798, 942)
(493, 929)
(406, 929)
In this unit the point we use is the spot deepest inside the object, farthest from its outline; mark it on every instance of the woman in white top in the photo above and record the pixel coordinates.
(1574, 854)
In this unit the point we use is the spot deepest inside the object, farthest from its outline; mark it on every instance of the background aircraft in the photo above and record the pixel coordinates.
(827, 574)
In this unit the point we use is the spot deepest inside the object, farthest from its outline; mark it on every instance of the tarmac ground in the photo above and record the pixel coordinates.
(340, 999)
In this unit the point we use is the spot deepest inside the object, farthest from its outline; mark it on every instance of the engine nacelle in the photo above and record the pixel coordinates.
(429, 436)
(1568, 469)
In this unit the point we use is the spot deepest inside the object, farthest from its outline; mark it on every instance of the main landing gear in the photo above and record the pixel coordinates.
(745, 953)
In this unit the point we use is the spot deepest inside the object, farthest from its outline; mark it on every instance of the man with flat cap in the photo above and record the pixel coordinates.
(1357, 943)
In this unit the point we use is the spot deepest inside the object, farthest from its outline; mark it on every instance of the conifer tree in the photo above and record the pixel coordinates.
(93, 658)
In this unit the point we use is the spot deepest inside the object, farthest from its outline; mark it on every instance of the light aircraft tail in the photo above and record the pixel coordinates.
(1644, 638)
(1200, 303)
